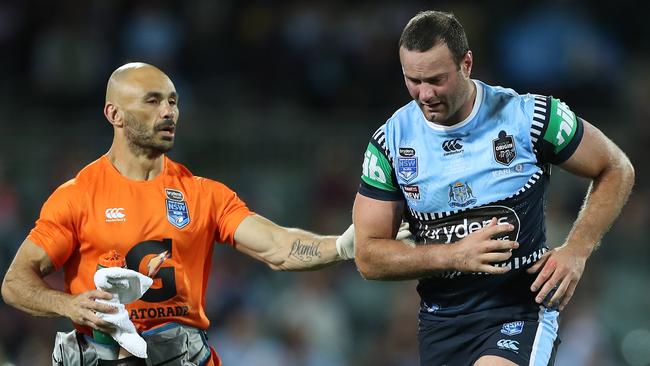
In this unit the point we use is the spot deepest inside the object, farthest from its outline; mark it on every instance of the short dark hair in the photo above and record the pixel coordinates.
(428, 28)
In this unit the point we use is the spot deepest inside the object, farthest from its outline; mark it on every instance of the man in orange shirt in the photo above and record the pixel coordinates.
(159, 216)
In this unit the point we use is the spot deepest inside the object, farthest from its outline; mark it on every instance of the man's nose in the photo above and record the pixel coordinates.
(427, 92)
(168, 111)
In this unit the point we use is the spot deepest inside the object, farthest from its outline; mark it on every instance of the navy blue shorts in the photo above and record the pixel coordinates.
(462, 340)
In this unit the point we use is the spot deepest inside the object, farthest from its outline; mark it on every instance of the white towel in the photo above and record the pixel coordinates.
(126, 286)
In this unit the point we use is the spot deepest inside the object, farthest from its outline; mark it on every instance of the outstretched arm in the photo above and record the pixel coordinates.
(285, 248)
(612, 174)
(378, 256)
(23, 288)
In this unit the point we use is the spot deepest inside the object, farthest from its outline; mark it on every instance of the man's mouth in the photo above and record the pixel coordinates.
(167, 129)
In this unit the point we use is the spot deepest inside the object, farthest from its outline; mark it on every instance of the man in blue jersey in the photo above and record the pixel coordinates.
(467, 165)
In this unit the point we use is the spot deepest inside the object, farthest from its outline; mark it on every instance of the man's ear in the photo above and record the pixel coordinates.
(113, 115)
(466, 63)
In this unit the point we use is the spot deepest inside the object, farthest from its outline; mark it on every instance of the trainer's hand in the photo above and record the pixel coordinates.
(477, 251)
(345, 242)
(561, 269)
(82, 308)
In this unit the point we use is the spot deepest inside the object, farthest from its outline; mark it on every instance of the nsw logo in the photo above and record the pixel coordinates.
(508, 344)
(115, 214)
(177, 213)
(504, 148)
(512, 328)
(407, 168)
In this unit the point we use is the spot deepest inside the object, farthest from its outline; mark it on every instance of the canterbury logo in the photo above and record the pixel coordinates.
(452, 145)
(508, 344)
(115, 214)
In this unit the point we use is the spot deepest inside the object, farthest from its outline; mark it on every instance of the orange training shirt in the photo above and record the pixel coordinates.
(174, 218)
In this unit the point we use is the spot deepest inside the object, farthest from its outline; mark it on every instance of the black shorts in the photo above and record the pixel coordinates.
(462, 340)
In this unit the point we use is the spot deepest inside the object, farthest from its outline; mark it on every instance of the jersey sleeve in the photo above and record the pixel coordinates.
(556, 131)
(55, 230)
(230, 212)
(378, 178)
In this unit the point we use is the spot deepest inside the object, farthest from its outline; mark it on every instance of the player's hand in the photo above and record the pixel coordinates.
(561, 269)
(478, 250)
(81, 309)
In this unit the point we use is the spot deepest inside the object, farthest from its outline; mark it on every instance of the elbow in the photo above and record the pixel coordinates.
(7, 293)
(365, 266)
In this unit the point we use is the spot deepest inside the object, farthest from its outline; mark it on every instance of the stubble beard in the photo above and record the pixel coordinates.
(141, 139)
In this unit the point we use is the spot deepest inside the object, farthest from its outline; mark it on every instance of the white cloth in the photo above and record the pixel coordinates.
(126, 286)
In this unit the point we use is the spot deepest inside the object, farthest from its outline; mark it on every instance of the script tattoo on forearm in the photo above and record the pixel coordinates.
(305, 252)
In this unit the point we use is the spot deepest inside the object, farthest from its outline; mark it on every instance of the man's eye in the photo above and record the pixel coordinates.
(152, 101)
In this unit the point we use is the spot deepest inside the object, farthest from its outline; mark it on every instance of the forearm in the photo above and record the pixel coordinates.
(606, 196)
(28, 292)
(299, 250)
(385, 259)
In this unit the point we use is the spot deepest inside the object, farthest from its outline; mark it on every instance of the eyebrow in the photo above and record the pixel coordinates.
(159, 95)
(427, 78)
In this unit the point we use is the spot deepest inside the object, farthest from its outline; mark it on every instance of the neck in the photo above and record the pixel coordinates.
(142, 167)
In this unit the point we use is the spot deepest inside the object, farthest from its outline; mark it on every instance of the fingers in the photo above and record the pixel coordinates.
(557, 297)
(490, 269)
(501, 246)
(98, 294)
(102, 307)
(544, 275)
(568, 295)
(534, 268)
(493, 229)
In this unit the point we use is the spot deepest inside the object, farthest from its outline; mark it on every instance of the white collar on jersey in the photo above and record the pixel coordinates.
(477, 105)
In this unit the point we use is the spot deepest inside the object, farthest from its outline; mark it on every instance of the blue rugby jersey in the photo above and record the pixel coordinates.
(495, 163)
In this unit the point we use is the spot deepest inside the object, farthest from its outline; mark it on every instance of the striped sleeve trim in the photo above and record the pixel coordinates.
(379, 137)
(540, 119)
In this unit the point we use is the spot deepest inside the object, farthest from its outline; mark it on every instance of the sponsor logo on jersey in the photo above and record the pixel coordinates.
(406, 151)
(452, 146)
(177, 213)
(407, 168)
(508, 344)
(371, 168)
(461, 195)
(411, 192)
(504, 148)
(154, 264)
(512, 328)
(457, 227)
(115, 214)
(174, 195)
(160, 312)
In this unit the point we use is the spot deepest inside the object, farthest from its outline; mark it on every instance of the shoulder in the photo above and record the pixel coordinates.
(177, 169)
(404, 115)
(77, 186)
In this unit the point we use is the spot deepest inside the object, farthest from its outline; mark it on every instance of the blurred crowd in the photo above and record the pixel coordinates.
(278, 100)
